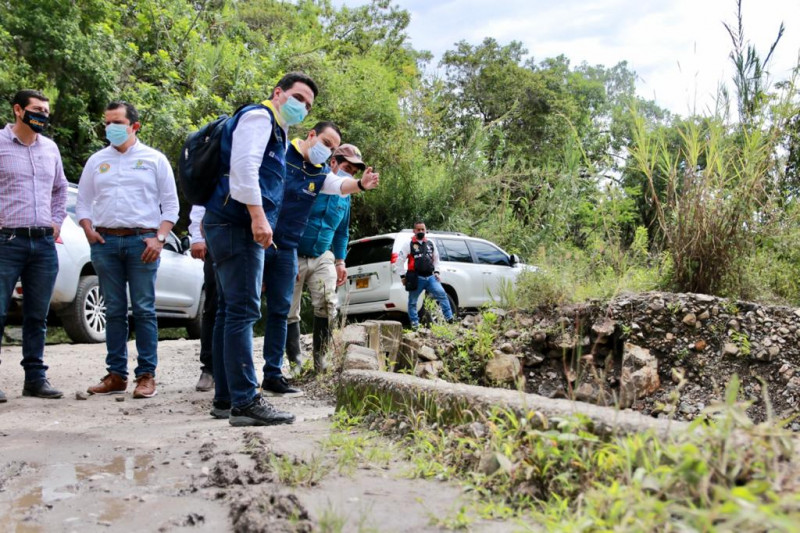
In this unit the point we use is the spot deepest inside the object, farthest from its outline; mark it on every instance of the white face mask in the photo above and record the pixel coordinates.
(318, 153)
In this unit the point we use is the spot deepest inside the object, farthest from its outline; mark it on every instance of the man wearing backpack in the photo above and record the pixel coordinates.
(422, 273)
(238, 225)
(307, 176)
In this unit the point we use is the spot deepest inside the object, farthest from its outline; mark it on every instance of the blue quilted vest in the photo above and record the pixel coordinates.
(301, 187)
(270, 175)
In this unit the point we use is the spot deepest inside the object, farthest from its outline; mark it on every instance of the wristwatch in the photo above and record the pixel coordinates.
(161, 238)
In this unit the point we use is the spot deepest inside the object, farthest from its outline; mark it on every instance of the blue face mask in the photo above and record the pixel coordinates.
(343, 174)
(117, 134)
(319, 153)
(293, 111)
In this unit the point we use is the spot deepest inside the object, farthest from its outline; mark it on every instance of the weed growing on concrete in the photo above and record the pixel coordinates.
(723, 473)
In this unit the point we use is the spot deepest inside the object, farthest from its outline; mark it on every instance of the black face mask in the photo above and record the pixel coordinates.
(420, 235)
(35, 121)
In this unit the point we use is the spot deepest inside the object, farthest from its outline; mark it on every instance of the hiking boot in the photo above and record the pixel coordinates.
(206, 382)
(41, 389)
(279, 387)
(220, 409)
(259, 413)
(145, 386)
(321, 338)
(110, 384)
(293, 352)
(3, 398)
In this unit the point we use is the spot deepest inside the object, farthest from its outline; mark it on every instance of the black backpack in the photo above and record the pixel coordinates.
(199, 166)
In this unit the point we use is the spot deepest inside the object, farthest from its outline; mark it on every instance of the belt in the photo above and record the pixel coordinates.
(124, 232)
(38, 231)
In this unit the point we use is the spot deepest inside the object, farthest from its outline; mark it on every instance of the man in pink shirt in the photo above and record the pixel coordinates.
(33, 197)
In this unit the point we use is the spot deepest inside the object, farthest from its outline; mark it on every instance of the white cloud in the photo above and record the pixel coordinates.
(679, 48)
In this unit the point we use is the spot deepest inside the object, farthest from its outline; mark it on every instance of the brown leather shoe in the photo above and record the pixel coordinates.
(145, 386)
(110, 384)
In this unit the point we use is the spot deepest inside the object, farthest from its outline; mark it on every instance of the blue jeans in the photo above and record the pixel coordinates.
(239, 266)
(435, 289)
(36, 261)
(118, 264)
(280, 271)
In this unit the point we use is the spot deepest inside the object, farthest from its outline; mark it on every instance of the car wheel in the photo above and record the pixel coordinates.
(453, 306)
(194, 328)
(85, 318)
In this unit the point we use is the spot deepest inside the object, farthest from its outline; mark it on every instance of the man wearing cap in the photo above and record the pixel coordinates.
(307, 175)
(320, 260)
(33, 198)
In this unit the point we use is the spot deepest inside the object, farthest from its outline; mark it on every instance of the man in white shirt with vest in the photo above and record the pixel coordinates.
(127, 205)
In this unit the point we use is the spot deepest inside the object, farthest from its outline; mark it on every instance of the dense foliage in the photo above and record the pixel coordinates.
(560, 163)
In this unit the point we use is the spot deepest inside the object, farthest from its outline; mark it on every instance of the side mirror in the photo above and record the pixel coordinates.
(186, 243)
(514, 259)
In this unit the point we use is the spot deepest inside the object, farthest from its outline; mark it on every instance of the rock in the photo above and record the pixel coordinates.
(504, 369)
(549, 390)
(120, 398)
(593, 393)
(773, 352)
(730, 349)
(13, 334)
(428, 369)
(700, 345)
(407, 355)
(762, 356)
(656, 305)
(512, 334)
(468, 321)
(500, 313)
(391, 334)
(478, 430)
(491, 462)
(80, 395)
(639, 376)
(704, 298)
(355, 334)
(426, 353)
(734, 324)
(507, 347)
(534, 359)
(604, 328)
(705, 315)
(360, 358)
(690, 320)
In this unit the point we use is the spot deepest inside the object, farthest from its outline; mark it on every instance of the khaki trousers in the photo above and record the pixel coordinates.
(319, 273)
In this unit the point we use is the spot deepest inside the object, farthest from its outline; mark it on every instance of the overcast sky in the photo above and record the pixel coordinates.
(678, 48)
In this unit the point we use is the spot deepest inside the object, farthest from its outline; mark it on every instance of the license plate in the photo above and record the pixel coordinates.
(362, 283)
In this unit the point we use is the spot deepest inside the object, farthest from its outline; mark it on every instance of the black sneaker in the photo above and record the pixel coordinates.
(41, 389)
(3, 398)
(220, 410)
(259, 413)
(279, 387)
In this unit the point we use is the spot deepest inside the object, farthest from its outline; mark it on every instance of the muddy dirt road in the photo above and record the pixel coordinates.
(160, 464)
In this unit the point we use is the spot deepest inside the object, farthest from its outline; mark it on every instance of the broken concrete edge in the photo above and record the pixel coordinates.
(459, 403)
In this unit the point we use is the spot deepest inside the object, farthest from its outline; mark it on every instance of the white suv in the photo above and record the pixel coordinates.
(77, 299)
(473, 272)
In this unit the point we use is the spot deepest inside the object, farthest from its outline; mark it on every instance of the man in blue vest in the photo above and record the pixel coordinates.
(238, 225)
(320, 257)
(307, 175)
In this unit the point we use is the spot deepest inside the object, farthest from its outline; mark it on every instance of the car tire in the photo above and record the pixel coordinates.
(453, 306)
(194, 328)
(84, 320)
